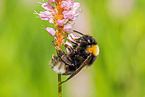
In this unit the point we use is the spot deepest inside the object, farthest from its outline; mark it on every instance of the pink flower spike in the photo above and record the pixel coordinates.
(51, 1)
(46, 6)
(51, 31)
(68, 27)
(61, 22)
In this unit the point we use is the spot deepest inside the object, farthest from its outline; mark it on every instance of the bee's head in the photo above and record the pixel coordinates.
(86, 40)
(90, 44)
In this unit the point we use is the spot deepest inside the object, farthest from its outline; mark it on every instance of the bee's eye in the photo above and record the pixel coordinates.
(89, 40)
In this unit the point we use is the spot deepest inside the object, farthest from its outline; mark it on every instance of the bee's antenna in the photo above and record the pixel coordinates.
(78, 32)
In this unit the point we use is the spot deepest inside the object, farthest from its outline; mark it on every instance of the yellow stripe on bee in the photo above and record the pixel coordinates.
(94, 49)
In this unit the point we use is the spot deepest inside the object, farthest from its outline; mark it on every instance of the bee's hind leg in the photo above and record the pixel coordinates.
(77, 71)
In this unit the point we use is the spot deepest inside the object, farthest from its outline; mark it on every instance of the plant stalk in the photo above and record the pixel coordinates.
(59, 86)
(59, 42)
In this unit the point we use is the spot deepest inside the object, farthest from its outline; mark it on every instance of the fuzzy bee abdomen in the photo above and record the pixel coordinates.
(57, 65)
(60, 67)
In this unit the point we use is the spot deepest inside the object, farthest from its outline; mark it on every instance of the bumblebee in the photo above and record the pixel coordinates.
(82, 51)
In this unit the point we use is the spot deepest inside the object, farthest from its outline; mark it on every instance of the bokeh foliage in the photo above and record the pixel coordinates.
(25, 49)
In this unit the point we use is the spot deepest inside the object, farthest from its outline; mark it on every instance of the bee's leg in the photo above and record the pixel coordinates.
(60, 53)
(69, 48)
(53, 43)
(74, 40)
(78, 32)
(77, 71)
(64, 57)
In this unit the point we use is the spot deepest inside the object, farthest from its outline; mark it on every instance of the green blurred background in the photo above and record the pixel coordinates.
(25, 49)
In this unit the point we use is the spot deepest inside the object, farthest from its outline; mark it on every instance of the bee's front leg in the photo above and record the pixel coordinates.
(70, 49)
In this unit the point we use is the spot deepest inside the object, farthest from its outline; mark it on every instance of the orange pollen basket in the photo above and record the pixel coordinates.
(93, 49)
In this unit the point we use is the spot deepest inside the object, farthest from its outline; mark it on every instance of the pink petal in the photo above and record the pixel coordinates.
(76, 6)
(55, 38)
(71, 14)
(68, 14)
(75, 16)
(68, 27)
(67, 4)
(51, 20)
(51, 1)
(46, 15)
(51, 31)
(46, 6)
(61, 22)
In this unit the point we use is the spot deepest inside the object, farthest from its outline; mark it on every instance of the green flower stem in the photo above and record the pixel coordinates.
(59, 86)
